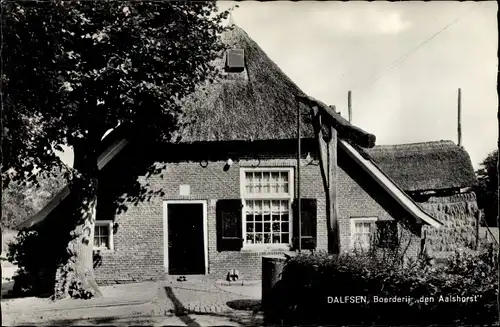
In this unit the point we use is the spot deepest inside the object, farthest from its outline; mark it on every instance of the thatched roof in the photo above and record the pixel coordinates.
(425, 166)
(259, 103)
(256, 104)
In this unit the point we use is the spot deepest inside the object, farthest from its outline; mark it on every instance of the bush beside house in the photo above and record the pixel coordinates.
(310, 282)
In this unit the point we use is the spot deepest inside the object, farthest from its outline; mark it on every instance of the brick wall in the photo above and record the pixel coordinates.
(354, 201)
(138, 241)
(359, 196)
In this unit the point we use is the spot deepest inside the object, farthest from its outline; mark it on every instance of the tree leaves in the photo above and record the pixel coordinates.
(487, 189)
(78, 68)
(20, 201)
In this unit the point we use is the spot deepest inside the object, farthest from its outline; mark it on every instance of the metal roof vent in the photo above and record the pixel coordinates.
(235, 60)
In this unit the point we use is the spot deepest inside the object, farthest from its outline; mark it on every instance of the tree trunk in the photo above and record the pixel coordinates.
(75, 277)
(498, 211)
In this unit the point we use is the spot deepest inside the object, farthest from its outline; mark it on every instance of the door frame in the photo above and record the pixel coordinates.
(165, 230)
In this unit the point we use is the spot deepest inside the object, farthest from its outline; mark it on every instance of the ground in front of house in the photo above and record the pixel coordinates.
(199, 301)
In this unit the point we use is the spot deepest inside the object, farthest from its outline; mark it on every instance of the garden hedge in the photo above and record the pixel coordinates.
(321, 289)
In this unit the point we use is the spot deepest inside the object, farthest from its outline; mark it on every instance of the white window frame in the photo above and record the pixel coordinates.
(354, 220)
(109, 224)
(245, 196)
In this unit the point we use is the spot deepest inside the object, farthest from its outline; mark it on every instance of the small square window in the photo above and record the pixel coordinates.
(103, 235)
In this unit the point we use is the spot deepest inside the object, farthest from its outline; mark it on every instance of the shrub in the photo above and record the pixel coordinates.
(37, 258)
(308, 280)
(39, 255)
(23, 254)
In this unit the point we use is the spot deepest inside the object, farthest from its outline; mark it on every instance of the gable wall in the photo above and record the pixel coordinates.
(358, 201)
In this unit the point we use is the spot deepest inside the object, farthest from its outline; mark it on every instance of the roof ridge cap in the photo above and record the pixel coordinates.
(414, 143)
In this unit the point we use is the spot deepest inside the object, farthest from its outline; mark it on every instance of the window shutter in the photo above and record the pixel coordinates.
(308, 220)
(387, 234)
(229, 225)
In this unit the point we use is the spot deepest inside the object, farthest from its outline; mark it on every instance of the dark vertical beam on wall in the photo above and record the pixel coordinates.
(327, 146)
(334, 237)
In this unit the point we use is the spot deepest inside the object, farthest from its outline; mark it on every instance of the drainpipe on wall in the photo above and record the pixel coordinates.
(299, 213)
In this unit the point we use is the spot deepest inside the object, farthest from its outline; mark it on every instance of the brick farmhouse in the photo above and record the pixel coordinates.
(225, 194)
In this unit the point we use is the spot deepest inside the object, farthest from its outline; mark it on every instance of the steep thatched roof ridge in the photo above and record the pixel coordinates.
(425, 166)
(257, 104)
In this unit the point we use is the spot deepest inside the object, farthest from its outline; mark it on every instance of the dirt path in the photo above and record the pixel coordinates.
(194, 303)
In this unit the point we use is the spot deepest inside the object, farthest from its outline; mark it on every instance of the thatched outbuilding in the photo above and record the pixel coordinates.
(439, 176)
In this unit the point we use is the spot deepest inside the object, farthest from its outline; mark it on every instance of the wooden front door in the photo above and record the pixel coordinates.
(186, 254)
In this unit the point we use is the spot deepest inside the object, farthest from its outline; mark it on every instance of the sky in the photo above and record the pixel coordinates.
(403, 62)
(404, 78)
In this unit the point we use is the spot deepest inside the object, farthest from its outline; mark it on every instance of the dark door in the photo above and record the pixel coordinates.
(185, 239)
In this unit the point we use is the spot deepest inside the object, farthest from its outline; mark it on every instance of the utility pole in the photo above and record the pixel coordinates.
(349, 105)
(459, 127)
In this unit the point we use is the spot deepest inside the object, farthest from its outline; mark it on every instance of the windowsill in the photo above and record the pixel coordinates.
(265, 196)
(104, 250)
(266, 247)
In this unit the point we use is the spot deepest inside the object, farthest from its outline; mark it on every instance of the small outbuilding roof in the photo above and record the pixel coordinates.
(425, 166)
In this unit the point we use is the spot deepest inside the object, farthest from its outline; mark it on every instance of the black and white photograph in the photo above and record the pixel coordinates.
(249, 163)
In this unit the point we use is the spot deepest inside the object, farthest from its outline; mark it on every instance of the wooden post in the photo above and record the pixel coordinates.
(327, 147)
(299, 213)
(349, 105)
(459, 127)
(272, 267)
(334, 237)
(328, 165)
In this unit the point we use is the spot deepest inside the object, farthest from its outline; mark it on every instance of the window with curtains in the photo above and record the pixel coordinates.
(367, 232)
(267, 197)
(362, 232)
(103, 235)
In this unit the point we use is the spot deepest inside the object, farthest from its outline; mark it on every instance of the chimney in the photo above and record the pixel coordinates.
(349, 103)
(459, 128)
